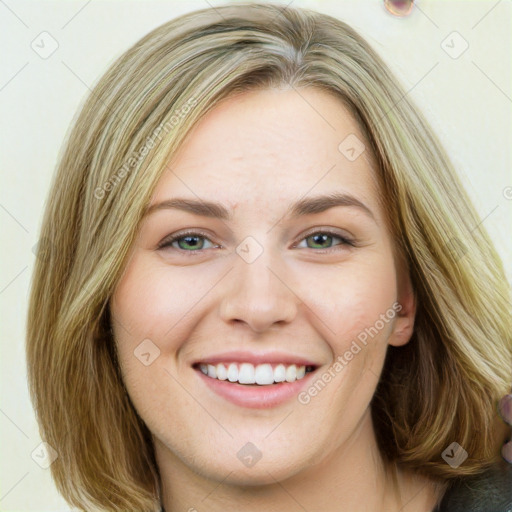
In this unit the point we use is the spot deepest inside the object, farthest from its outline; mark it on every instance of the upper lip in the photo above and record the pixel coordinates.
(256, 358)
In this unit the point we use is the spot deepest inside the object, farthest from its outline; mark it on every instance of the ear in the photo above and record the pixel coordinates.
(404, 323)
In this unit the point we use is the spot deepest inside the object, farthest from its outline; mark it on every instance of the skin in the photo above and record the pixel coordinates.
(256, 153)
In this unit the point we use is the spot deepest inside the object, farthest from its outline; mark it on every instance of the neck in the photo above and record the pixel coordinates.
(352, 478)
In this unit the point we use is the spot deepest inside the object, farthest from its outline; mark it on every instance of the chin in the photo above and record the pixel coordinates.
(262, 473)
(247, 466)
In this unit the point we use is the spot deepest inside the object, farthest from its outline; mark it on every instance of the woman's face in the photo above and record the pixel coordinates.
(267, 292)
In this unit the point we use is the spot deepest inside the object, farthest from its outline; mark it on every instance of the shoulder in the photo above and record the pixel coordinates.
(490, 491)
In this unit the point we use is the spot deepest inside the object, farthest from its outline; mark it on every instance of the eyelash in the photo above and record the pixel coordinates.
(168, 241)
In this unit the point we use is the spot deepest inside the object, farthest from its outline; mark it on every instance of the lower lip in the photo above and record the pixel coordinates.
(255, 396)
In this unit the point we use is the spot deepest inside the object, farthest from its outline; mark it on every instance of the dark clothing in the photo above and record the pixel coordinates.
(488, 492)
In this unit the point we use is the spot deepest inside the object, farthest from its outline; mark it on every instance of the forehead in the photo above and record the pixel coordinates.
(271, 145)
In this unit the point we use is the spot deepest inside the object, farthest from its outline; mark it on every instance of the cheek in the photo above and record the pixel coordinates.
(149, 324)
(143, 310)
(356, 309)
(154, 313)
(354, 300)
(154, 301)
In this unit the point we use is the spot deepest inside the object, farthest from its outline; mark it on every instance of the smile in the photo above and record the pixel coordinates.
(265, 374)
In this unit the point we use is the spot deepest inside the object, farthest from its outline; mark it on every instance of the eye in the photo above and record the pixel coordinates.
(193, 241)
(187, 242)
(321, 238)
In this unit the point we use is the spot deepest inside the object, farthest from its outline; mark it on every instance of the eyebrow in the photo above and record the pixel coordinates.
(307, 206)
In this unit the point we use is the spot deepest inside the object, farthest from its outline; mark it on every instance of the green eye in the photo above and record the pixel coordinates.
(184, 240)
(320, 238)
(193, 241)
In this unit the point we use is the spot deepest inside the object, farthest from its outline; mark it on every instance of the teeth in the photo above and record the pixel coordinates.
(280, 373)
(264, 374)
(291, 373)
(247, 373)
(222, 373)
(233, 372)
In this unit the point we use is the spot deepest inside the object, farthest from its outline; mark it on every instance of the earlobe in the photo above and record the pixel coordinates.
(404, 323)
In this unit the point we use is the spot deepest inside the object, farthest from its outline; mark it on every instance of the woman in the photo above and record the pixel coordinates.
(189, 345)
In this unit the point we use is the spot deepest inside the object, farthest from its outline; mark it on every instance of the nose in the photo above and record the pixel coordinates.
(260, 294)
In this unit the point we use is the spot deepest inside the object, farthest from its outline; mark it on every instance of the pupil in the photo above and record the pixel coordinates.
(319, 237)
(187, 238)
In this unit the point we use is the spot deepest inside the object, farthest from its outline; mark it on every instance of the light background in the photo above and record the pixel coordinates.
(466, 99)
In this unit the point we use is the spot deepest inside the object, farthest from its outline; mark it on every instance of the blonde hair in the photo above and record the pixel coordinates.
(439, 388)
